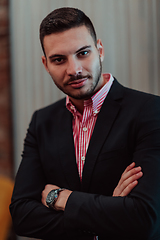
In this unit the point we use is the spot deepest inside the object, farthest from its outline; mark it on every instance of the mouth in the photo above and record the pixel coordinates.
(78, 83)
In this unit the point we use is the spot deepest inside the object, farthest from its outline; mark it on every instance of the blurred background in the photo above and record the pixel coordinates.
(130, 32)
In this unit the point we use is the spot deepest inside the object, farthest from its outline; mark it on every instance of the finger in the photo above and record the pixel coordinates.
(129, 181)
(129, 173)
(132, 165)
(118, 190)
(128, 168)
(43, 198)
(129, 188)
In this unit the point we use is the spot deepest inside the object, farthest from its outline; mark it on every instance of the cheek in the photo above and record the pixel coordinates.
(89, 65)
(96, 67)
(95, 62)
(57, 74)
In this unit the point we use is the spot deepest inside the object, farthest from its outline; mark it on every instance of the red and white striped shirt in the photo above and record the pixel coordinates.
(83, 125)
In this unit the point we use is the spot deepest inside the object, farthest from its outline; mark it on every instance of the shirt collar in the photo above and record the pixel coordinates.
(96, 100)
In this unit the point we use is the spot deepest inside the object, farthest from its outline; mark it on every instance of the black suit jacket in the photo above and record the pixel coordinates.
(127, 130)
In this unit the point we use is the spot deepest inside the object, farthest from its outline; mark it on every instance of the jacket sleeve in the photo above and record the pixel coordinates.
(30, 217)
(138, 214)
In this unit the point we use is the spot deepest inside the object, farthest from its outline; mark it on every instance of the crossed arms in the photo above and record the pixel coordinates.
(127, 182)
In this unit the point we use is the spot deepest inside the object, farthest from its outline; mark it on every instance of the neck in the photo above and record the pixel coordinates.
(79, 103)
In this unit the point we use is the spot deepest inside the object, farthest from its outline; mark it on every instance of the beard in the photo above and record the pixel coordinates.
(90, 91)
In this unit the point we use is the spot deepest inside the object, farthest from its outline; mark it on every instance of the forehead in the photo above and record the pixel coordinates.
(68, 41)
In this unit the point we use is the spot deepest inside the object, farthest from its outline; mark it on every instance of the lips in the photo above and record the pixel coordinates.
(78, 83)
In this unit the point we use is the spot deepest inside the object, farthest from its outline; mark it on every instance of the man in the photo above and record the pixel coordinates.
(82, 144)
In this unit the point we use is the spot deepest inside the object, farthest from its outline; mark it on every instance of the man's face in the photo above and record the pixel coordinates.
(74, 62)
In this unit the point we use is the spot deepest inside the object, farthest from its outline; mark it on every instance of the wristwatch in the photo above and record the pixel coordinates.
(52, 197)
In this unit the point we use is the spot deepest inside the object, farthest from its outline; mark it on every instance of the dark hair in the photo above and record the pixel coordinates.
(63, 19)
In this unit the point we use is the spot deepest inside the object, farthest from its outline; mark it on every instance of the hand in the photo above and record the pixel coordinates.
(62, 198)
(128, 180)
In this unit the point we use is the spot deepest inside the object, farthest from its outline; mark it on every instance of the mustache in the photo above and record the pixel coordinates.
(78, 77)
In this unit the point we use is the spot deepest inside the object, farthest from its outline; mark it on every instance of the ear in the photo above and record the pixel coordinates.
(100, 49)
(44, 61)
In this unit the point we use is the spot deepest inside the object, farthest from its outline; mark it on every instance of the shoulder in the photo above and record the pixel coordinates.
(132, 96)
(51, 112)
(54, 106)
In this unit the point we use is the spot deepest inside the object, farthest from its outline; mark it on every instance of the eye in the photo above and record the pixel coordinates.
(58, 60)
(83, 53)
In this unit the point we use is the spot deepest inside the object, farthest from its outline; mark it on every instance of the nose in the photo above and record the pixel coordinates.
(74, 67)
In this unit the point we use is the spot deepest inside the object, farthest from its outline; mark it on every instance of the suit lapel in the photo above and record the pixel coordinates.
(67, 151)
(105, 121)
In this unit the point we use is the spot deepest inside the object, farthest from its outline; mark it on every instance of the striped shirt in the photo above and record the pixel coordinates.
(83, 125)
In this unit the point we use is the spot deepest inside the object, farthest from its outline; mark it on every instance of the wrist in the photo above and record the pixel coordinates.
(52, 197)
(60, 204)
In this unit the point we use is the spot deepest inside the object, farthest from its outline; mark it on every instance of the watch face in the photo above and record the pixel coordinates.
(51, 197)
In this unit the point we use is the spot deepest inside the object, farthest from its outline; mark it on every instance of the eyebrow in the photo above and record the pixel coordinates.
(56, 56)
(61, 55)
(83, 48)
